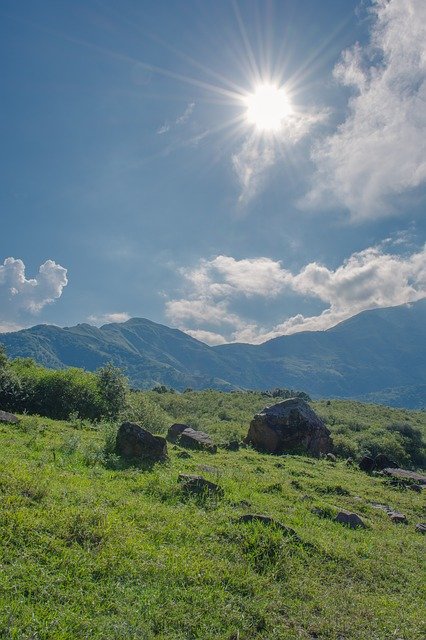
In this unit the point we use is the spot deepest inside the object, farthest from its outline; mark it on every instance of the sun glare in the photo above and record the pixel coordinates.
(267, 107)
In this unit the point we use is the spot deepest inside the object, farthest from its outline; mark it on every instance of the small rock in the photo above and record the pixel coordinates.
(416, 487)
(135, 442)
(397, 517)
(187, 437)
(404, 474)
(349, 461)
(421, 527)
(260, 517)
(366, 464)
(8, 418)
(174, 432)
(331, 457)
(183, 455)
(198, 485)
(352, 520)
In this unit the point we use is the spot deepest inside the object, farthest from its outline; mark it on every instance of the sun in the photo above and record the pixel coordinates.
(267, 107)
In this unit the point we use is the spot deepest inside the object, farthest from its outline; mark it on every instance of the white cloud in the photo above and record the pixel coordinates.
(368, 279)
(209, 337)
(20, 296)
(258, 154)
(379, 151)
(106, 318)
(180, 120)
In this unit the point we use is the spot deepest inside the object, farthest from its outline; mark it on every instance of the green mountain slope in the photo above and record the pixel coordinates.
(371, 355)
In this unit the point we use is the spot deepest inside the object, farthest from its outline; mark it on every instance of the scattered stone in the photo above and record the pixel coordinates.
(383, 462)
(187, 437)
(349, 462)
(267, 520)
(183, 455)
(404, 474)
(382, 507)
(352, 520)
(417, 487)
(135, 442)
(198, 485)
(233, 445)
(397, 517)
(331, 457)
(174, 432)
(197, 440)
(289, 426)
(8, 418)
(421, 527)
(366, 464)
(208, 469)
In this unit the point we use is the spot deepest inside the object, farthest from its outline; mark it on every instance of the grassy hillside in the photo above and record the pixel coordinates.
(92, 548)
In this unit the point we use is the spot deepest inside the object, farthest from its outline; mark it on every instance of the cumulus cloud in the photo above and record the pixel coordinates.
(368, 279)
(379, 151)
(106, 318)
(20, 296)
(258, 154)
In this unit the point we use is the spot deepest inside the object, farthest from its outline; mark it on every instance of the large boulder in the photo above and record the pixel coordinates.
(8, 418)
(135, 442)
(290, 426)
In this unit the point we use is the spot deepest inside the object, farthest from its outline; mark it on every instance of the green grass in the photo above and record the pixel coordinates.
(92, 548)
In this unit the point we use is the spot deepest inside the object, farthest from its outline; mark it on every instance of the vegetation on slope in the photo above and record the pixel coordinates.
(93, 548)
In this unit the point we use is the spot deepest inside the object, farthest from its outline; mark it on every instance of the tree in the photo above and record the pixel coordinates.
(112, 385)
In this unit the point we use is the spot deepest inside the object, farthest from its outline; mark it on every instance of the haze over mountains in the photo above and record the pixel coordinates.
(378, 355)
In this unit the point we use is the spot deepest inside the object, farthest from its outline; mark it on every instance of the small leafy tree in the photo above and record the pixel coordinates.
(112, 386)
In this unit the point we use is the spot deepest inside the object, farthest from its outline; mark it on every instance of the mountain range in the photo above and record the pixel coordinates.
(377, 355)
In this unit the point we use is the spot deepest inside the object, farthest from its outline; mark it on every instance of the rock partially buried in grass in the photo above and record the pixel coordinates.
(290, 426)
(267, 520)
(352, 520)
(421, 527)
(383, 462)
(175, 430)
(134, 442)
(198, 485)
(8, 418)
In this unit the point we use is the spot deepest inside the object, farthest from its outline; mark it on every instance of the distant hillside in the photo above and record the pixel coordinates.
(377, 355)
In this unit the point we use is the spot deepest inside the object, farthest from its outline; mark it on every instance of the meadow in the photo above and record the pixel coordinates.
(93, 547)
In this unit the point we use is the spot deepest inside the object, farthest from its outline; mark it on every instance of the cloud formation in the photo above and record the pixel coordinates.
(107, 318)
(368, 279)
(20, 296)
(379, 151)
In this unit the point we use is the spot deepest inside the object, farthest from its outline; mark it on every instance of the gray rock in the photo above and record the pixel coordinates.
(398, 518)
(404, 474)
(174, 432)
(421, 527)
(417, 487)
(135, 442)
(331, 457)
(352, 520)
(198, 485)
(290, 426)
(8, 418)
(196, 440)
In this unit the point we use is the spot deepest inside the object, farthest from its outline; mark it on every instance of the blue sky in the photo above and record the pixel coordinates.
(135, 184)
